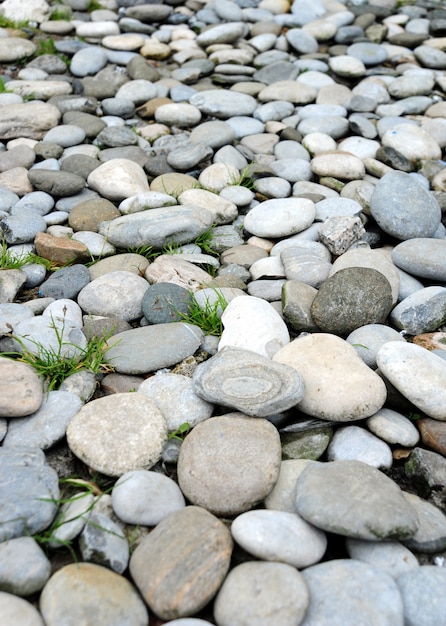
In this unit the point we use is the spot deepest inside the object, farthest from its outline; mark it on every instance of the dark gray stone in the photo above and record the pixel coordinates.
(65, 283)
(351, 298)
(165, 302)
(56, 183)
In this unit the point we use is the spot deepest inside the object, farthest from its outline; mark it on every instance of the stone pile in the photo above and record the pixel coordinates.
(277, 167)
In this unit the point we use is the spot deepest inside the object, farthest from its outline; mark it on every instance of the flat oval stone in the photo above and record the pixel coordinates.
(24, 567)
(190, 544)
(47, 425)
(337, 307)
(118, 179)
(418, 374)
(279, 536)
(248, 382)
(254, 591)
(223, 104)
(280, 217)
(252, 324)
(353, 499)
(350, 592)
(413, 142)
(118, 433)
(352, 443)
(21, 389)
(17, 610)
(423, 257)
(394, 428)
(145, 498)
(403, 208)
(116, 294)
(421, 312)
(150, 348)
(350, 390)
(81, 589)
(338, 164)
(229, 479)
(368, 339)
(180, 224)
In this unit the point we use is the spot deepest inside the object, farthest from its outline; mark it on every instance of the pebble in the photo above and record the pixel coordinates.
(390, 556)
(415, 212)
(200, 541)
(145, 498)
(79, 589)
(343, 399)
(24, 566)
(421, 594)
(350, 589)
(417, 373)
(178, 399)
(200, 468)
(382, 514)
(248, 382)
(254, 589)
(102, 434)
(279, 536)
(303, 142)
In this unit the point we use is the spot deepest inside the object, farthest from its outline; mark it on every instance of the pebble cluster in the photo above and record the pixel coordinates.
(283, 159)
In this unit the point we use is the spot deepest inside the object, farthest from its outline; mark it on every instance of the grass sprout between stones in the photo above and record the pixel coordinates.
(47, 538)
(180, 433)
(207, 317)
(10, 260)
(54, 366)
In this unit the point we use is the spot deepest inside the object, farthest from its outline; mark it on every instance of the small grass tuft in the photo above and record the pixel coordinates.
(208, 318)
(54, 365)
(181, 432)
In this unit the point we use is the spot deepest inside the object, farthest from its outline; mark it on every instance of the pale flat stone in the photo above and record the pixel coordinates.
(118, 179)
(350, 390)
(252, 324)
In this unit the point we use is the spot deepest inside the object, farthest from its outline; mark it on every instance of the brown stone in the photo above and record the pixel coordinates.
(431, 341)
(20, 389)
(433, 434)
(181, 564)
(16, 180)
(61, 250)
(88, 215)
(147, 110)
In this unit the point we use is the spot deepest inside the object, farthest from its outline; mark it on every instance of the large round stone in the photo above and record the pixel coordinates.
(220, 467)
(351, 298)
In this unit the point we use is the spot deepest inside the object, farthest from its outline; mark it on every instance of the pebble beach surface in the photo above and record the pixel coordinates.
(277, 164)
